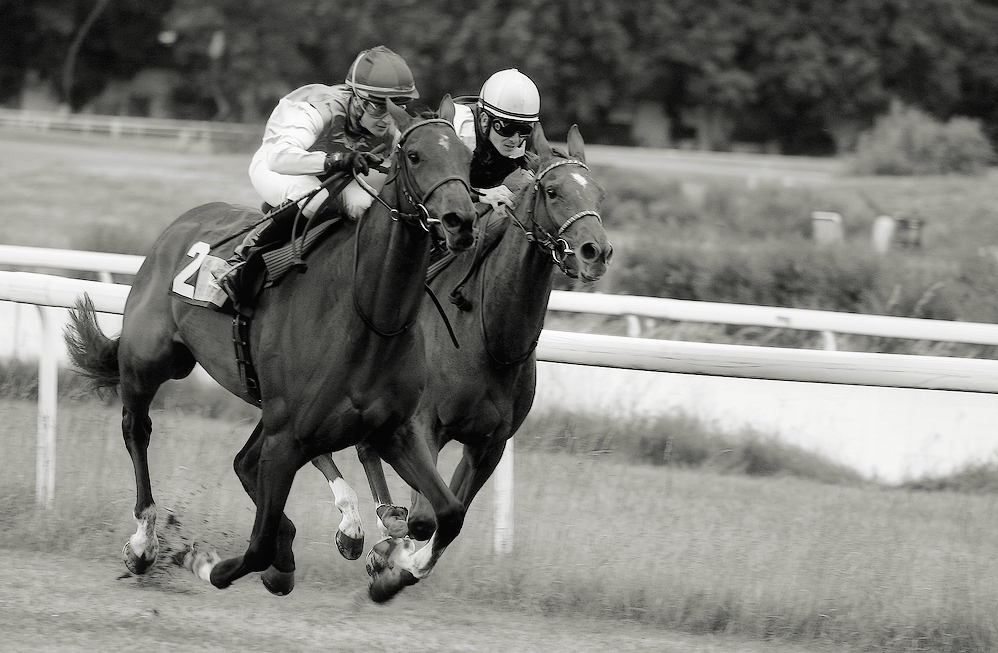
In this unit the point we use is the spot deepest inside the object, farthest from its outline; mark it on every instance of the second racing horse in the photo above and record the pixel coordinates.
(479, 394)
(338, 350)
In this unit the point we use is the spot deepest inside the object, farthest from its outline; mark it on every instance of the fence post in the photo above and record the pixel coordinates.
(48, 390)
(503, 502)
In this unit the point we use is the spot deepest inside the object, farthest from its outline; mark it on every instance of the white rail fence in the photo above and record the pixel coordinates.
(853, 368)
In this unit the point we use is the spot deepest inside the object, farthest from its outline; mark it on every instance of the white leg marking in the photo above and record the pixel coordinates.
(345, 500)
(145, 534)
(200, 563)
(418, 563)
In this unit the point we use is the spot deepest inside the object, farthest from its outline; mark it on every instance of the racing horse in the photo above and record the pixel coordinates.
(338, 350)
(479, 394)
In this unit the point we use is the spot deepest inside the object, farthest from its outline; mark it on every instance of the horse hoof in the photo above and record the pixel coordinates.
(387, 584)
(138, 564)
(278, 582)
(350, 547)
(394, 519)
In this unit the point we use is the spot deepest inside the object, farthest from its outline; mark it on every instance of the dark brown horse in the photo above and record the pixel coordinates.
(479, 394)
(338, 350)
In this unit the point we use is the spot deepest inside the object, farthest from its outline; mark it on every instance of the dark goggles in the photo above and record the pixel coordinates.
(380, 109)
(508, 128)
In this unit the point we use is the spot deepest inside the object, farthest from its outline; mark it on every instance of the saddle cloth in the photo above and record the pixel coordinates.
(213, 245)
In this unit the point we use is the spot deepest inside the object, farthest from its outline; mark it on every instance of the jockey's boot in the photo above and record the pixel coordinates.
(276, 228)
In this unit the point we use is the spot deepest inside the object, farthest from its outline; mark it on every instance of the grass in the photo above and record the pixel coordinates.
(779, 558)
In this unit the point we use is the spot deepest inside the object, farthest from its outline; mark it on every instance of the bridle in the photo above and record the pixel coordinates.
(419, 217)
(557, 246)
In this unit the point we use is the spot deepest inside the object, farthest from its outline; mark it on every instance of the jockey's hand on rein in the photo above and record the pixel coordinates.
(499, 198)
(362, 162)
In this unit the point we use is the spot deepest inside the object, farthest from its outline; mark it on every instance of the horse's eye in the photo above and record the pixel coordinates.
(551, 192)
(413, 156)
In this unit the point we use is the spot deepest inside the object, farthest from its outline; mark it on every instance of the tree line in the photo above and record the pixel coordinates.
(804, 76)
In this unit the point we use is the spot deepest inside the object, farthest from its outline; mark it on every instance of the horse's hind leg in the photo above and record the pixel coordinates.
(350, 534)
(138, 387)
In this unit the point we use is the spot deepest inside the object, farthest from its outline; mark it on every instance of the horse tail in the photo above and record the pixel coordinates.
(93, 354)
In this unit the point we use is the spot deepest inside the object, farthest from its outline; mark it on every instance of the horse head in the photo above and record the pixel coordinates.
(563, 206)
(434, 166)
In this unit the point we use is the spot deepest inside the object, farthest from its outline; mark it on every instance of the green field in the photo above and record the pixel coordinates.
(698, 550)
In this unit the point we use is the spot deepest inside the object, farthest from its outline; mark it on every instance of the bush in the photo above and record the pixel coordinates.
(677, 441)
(908, 141)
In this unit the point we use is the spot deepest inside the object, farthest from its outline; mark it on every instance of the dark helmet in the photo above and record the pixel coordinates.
(379, 73)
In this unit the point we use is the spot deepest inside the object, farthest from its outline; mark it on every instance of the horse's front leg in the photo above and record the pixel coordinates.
(267, 467)
(398, 563)
(350, 534)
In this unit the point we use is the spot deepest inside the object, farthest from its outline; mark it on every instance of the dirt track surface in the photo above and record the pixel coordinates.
(55, 603)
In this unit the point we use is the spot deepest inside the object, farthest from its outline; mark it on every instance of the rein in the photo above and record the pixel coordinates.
(420, 217)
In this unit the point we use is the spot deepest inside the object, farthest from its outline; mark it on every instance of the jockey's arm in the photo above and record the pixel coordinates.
(296, 126)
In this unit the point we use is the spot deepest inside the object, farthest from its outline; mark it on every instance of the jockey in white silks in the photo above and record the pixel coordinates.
(495, 126)
(355, 119)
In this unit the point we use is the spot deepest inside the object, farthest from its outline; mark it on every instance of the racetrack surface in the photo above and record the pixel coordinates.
(57, 603)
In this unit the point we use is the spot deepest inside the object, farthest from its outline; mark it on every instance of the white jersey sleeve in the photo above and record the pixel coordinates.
(464, 125)
(293, 127)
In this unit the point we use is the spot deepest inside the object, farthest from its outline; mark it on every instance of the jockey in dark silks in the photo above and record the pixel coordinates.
(495, 125)
(284, 171)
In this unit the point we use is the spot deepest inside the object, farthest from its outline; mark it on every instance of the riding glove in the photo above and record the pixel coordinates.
(499, 198)
(362, 162)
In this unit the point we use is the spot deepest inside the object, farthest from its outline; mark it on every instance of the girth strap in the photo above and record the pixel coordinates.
(244, 360)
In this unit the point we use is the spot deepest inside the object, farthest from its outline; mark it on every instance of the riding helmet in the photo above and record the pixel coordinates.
(379, 73)
(511, 95)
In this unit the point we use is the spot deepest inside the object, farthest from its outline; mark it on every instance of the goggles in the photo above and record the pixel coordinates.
(509, 128)
(380, 109)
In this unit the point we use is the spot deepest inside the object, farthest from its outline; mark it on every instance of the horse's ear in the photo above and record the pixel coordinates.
(576, 146)
(540, 141)
(446, 110)
(399, 115)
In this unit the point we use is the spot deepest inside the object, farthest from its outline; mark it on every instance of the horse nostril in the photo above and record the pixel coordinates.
(609, 254)
(451, 221)
(589, 251)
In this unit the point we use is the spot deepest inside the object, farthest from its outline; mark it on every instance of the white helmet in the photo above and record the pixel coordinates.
(511, 95)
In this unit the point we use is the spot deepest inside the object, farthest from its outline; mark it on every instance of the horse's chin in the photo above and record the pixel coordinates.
(460, 242)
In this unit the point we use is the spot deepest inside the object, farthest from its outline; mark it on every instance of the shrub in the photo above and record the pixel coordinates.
(908, 141)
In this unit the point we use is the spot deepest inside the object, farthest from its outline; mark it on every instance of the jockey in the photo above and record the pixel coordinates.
(283, 170)
(496, 126)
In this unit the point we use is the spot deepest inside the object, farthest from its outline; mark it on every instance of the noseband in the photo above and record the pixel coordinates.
(556, 245)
